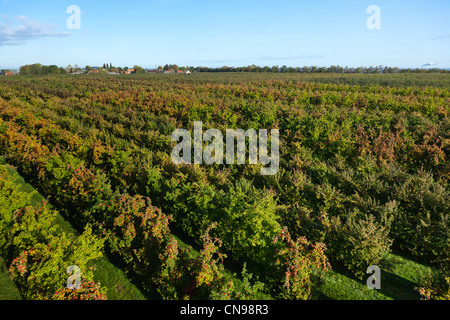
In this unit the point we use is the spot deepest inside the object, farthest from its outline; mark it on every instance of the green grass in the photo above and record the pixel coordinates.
(8, 289)
(111, 277)
(399, 279)
(115, 280)
(338, 286)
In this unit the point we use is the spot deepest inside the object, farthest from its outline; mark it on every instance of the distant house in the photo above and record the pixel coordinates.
(128, 71)
(7, 73)
(177, 72)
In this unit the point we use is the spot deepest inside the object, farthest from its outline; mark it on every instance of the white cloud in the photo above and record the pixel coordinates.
(444, 36)
(26, 29)
(430, 64)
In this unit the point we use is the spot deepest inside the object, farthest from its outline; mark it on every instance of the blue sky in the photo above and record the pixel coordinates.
(216, 33)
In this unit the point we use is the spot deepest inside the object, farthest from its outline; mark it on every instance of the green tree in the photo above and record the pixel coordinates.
(52, 69)
(138, 69)
(35, 69)
(24, 70)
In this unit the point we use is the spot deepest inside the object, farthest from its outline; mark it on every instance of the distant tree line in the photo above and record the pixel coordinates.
(110, 68)
(316, 69)
(39, 69)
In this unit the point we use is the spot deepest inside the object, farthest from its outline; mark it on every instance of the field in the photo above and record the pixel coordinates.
(363, 180)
